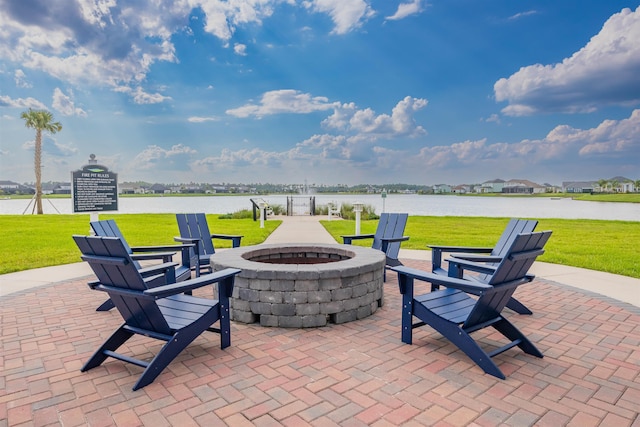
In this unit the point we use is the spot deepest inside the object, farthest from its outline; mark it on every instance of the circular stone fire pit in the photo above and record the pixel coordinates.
(303, 285)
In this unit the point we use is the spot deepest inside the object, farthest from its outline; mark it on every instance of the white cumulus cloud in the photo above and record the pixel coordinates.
(197, 119)
(240, 49)
(115, 43)
(65, 105)
(406, 9)
(7, 101)
(283, 101)
(611, 138)
(346, 15)
(604, 72)
(21, 80)
(155, 157)
(366, 122)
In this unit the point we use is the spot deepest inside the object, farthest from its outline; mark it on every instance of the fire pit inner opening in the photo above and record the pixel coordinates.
(297, 257)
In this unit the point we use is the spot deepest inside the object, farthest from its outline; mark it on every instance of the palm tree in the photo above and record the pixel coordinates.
(40, 120)
(602, 183)
(615, 184)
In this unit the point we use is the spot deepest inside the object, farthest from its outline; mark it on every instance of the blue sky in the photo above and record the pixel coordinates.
(327, 91)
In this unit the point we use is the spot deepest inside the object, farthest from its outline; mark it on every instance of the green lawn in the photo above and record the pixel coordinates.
(31, 241)
(610, 246)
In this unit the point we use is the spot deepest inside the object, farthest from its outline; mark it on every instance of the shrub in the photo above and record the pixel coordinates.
(241, 214)
(278, 209)
(346, 211)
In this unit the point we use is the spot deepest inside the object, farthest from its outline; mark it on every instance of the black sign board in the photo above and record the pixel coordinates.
(95, 189)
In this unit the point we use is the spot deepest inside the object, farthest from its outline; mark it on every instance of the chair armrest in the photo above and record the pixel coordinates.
(166, 268)
(466, 249)
(385, 242)
(477, 258)
(457, 267)
(235, 239)
(163, 247)
(395, 239)
(191, 240)
(439, 280)
(438, 250)
(347, 239)
(184, 248)
(164, 256)
(187, 285)
(191, 259)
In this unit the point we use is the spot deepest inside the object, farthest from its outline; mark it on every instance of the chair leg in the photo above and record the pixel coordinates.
(407, 318)
(460, 338)
(470, 347)
(168, 352)
(106, 306)
(173, 348)
(224, 291)
(517, 306)
(119, 337)
(507, 329)
(225, 325)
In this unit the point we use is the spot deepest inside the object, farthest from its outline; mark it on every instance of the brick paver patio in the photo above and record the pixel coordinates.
(354, 374)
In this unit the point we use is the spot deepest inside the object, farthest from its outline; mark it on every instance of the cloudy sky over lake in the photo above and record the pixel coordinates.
(327, 91)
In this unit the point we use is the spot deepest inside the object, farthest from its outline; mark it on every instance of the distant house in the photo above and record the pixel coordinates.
(131, 189)
(9, 187)
(159, 189)
(579, 186)
(441, 189)
(243, 189)
(461, 189)
(627, 187)
(522, 186)
(552, 188)
(62, 188)
(125, 189)
(624, 185)
(191, 189)
(220, 189)
(493, 186)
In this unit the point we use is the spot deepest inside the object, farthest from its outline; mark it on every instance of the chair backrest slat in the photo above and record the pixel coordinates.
(136, 309)
(509, 274)
(195, 226)
(109, 228)
(390, 225)
(398, 224)
(514, 227)
(382, 225)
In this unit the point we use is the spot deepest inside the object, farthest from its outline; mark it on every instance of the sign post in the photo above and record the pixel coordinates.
(357, 208)
(263, 208)
(384, 197)
(94, 189)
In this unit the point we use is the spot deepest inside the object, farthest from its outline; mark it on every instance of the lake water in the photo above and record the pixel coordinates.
(533, 207)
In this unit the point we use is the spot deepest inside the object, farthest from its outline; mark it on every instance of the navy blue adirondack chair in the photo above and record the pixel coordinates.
(109, 228)
(153, 277)
(491, 256)
(455, 314)
(164, 313)
(388, 237)
(194, 229)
